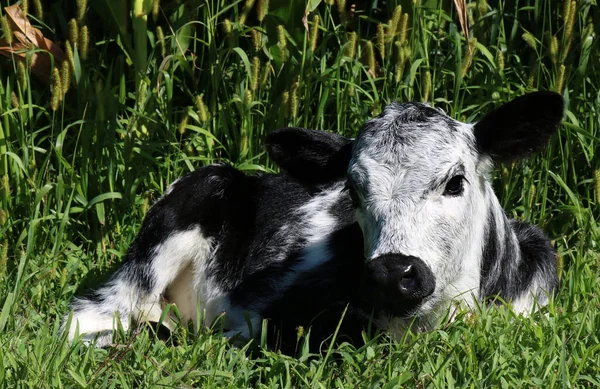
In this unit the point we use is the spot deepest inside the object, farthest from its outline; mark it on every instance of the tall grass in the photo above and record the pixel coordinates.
(152, 90)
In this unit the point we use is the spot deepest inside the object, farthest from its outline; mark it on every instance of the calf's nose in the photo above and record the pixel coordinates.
(397, 283)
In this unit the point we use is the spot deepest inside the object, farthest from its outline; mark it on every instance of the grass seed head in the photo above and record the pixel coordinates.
(403, 33)
(6, 31)
(351, 47)
(469, 55)
(84, 42)
(530, 40)
(265, 74)
(560, 265)
(381, 40)
(202, 109)
(65, 77)
(155, 9)
(553, 48)
(5, 186)
(22, 74)
(227, 26)
(228, 30)
(69, 54)
(56, 95)
(73, 30)
(255, 73)
(160, 40)
(248, 98)
(299, 332)
(532, 193)
(14, 100)
(282, 43)
(341, 6)
(81, 8)
(370, 54)
(395, 22)
(597, 185)
(182, 127)
(426, 85)
(500, 60)
(314, 33)
(294, 100)
(285, 103)
(262, 10)
(482, 7)
(256, 39)
(566, 10)
(531, 79)
(281, 39)
(246, 10)
(38, 9)
(560, 83)
(569, 25)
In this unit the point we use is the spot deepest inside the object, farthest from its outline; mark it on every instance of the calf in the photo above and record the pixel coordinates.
(387, 229)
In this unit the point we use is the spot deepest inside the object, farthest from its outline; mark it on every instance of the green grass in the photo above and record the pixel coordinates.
(146, 106)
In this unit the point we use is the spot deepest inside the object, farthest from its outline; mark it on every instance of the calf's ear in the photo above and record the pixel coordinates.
(310, 156)
(520, 127)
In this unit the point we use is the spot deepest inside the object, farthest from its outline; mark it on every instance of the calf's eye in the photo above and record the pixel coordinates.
(454, 187)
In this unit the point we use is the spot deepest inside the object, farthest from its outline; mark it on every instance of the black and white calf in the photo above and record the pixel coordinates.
(394, 225)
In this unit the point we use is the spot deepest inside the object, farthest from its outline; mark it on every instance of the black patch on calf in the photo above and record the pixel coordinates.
(318, 298)
(509, 277)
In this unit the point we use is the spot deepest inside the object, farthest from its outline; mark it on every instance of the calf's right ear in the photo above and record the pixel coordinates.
(310, 156)
(520, 127)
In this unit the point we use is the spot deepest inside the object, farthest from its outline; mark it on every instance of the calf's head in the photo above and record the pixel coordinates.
(419, 184)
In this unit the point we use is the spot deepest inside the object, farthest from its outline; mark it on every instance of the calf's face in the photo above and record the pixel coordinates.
(419, 184)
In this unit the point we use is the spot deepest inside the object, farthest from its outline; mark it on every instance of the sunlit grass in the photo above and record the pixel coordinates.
(76, 181)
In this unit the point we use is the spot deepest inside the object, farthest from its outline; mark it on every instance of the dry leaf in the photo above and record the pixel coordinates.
(311, 5)
(461, 9)
(29, 38)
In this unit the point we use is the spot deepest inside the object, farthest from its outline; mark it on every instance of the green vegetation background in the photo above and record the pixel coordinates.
(146, 91)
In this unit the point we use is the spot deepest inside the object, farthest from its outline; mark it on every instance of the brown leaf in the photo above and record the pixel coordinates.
(461, 9)
(311, 5)
(29, 38)
(39, 62)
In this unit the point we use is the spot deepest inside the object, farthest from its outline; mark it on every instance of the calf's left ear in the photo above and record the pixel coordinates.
(520, 127)
(310, 156)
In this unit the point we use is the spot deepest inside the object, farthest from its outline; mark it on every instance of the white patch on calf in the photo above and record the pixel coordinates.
(92, 318)
(534, 296)
(317, 223)
(170, 263)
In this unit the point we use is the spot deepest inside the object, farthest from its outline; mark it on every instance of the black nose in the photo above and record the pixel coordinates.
(398, 283)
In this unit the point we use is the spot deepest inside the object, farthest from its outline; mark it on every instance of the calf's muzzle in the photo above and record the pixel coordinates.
(397, 284)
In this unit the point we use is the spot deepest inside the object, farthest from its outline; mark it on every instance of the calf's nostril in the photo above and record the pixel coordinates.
(408, 283)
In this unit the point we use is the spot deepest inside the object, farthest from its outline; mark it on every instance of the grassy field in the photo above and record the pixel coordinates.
(138, 93)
